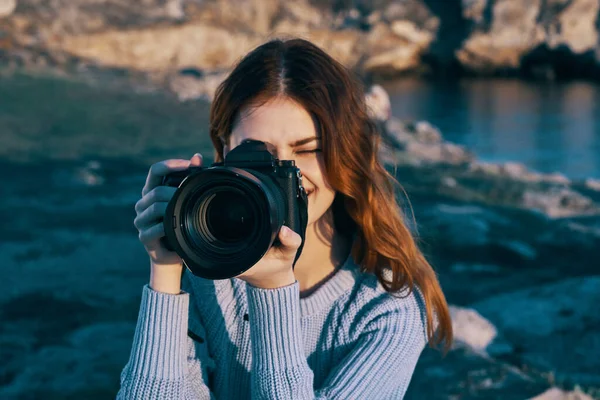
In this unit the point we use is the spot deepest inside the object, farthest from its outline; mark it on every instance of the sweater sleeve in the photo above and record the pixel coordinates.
(379, 365)
(164, 362)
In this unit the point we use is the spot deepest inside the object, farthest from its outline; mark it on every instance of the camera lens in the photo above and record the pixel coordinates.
(223, 220)
(229, 217)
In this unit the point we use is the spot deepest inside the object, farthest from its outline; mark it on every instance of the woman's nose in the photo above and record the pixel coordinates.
(283, 154)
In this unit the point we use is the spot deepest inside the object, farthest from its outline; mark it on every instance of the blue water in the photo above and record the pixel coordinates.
(549, 127)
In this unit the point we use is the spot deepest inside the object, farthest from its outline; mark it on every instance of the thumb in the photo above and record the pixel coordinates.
(289, 239)
(196, 160)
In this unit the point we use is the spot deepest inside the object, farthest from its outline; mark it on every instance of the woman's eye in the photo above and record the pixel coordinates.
(308, 151)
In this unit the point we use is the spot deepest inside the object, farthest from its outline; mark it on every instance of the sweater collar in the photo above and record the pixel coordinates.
(341, 282)
(331, 290)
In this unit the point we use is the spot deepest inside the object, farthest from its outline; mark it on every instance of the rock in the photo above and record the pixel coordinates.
(419, 153)
(253, 15)
(301, 14)
(459, 226)
(518, 248)
(466, 374)
(378, 103)
(163, 48)
(7, 7)
(555, 177)
(454, 172)
(471, 230)
(58, 18)
(513, 169)
(427, 133)
(471, 329)
(214, 39)
(395, 48)
(174, 10)
(513, 31)
(550, 39)
(574, 26)
(559, 202)
(421, 143)
(569, 236)
(90, 361)
(422, 131)
(192, 87)
(485, 168)
(449, 181)
(473, 10)
(410, 31)
(554, 326)
(519, 35)
(593, 184)
(559, 394)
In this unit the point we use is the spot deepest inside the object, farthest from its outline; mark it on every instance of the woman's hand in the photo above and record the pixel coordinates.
(166, 266)
(274, 270)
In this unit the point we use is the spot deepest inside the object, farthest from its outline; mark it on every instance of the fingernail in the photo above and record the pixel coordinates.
(285, 231)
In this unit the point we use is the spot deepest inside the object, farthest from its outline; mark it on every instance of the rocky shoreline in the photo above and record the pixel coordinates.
(428, 164)
(516, 253)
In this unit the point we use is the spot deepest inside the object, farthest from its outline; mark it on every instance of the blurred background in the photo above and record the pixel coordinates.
(491, 114)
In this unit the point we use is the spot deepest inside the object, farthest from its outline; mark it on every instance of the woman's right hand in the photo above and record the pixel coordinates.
(166, 266)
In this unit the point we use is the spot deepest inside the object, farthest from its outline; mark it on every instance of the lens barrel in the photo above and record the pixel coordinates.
(223, 220)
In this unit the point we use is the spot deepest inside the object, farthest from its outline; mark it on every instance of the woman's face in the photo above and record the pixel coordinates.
(293, 132)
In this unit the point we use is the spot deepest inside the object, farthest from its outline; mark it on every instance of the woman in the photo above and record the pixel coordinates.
(350, 320)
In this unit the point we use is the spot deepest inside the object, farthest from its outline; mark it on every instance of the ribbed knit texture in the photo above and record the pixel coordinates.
(228, 340)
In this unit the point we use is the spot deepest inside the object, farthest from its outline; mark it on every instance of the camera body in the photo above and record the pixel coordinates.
(223, 219)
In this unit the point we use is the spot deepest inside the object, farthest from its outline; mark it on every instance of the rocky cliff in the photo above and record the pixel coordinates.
(541, 38)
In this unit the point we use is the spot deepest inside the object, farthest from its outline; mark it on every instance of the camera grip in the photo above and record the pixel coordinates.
(297, 209)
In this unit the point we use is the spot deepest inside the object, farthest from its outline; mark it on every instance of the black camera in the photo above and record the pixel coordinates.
(223, 219)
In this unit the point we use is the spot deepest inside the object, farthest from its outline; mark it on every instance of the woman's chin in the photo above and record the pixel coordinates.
(316, 208)
(313, 215)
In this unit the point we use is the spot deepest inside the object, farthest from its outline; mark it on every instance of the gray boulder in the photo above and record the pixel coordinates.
(554, 327)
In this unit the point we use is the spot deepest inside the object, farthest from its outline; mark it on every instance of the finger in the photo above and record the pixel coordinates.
(153, 233)
(159, 170)
(159, 193)
(289, 239)
(150, 216)
(196, 160)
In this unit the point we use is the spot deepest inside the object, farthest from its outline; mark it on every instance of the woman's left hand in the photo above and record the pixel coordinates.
(275, 270)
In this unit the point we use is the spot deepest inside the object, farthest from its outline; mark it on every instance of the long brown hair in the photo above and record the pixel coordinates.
(365, 205)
